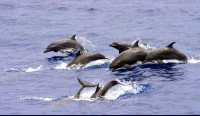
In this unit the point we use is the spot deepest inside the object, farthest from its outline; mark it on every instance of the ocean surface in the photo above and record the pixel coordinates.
(33, 82)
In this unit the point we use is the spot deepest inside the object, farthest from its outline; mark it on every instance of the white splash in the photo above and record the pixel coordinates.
(192, 61)
(32, 69)
(74, 66)
(119, 90)
(97, 63)
(61, 65)
(85, 41)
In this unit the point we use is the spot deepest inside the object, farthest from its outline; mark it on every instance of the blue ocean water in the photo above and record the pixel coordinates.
(33, 82)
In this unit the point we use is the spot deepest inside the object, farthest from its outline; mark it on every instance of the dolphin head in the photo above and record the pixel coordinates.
(47, 50)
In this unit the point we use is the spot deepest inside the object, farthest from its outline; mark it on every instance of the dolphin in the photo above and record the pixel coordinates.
(167, 52)
(100, 91)
(60, 45)
(129, 57)
(85, 58)
(122, 45)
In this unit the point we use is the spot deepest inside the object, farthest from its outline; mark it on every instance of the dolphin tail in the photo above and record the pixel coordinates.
(97, 89)
(77, 95)
(84, 84)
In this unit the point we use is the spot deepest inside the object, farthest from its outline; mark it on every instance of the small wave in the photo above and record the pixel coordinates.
(12, 70)
(23, 70)
(39, 98)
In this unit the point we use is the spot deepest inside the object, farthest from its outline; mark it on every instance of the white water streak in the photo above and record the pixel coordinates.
(85, 41)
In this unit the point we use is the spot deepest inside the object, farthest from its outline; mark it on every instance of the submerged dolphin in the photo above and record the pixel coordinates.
(167, 52)
(60, 45)
(129, 57)
(85, 58)
(100, 91)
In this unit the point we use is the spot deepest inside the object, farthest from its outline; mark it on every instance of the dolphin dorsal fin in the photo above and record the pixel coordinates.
(97, 89)
(171, 44)
(78, 53)
(73, 37)
(136, 44)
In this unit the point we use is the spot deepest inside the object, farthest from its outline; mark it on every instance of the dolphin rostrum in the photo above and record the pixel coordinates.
(129, 57)
(100, 91)
(60, 45)
(85, 58)
(163, 53)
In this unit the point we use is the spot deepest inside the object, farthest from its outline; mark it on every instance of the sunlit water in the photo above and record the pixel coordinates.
(33, 82)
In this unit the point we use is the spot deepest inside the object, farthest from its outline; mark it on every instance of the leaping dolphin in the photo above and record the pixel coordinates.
(129, 57)
(122, 45)
(167, 52)
(60, 45)
(100, 91)
(85, 58)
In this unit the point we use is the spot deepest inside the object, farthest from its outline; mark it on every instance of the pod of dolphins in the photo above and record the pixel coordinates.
(129, 54)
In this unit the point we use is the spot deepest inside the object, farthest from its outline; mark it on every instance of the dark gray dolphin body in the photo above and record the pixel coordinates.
(167, 52)
(121, 45)
(129, 57)
(60, 45)
(85, 58)
(100, 91)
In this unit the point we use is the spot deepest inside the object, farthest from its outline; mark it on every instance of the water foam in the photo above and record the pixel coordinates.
(33, 70)
(61, 65)
(97, 63)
